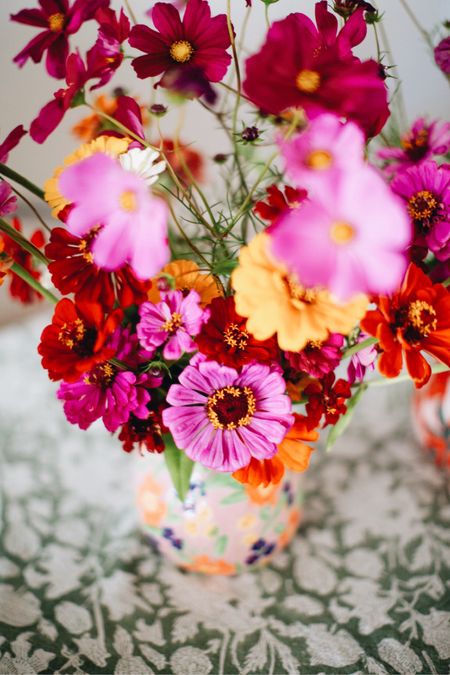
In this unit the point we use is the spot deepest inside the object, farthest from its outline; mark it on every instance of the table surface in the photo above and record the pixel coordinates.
(364, 586)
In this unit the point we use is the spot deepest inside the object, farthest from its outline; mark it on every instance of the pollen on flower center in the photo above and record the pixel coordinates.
(231, 407)
(308, 81)
(86, 254)
(102, 375)
(234, 337)
(341, 232)
(128, 200)
(181, 51)
(319, 159)
(422, 317)
(56, 22)
(416, 145)
(71, 334)
(172, 324)
(422, 207)
(298, 292)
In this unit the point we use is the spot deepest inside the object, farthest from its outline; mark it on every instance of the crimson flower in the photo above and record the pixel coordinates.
(58, 20)
(145, 434)
(327, 397)
(19, 288)
(277, 202)
(224, 337)
(106, 55)
(73, 271)
(197, 40)
(301, 65)
(10, 142)
(76, 339)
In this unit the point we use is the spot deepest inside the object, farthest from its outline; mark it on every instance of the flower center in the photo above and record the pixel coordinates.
(416, 146)
(128, 201)
(298, 292)
(231, 407)
(75, 336)
(423, 207)
(56, 22)
(173, 324)
(341, 232)
(319, 160)
(85, 253)
(314, 344)
(308, 81)
(234, 337)
(422, 317)
(181, 51)
(101, 375)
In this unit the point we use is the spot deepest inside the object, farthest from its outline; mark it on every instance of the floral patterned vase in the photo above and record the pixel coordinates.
(223, 527)
(431, 417)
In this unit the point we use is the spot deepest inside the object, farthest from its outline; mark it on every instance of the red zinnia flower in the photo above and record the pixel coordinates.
(76, 339)
(415, 319)
(58, 20)
(277, 202)
(327, 397)
(19, 288)
(74, 271)
(314, 68)
(144, 434)
(224, 337)
(197, 40)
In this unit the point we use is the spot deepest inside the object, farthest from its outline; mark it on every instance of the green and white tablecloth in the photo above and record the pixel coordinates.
(363, 588)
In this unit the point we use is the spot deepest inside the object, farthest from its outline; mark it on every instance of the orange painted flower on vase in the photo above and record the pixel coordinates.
(150, 504)
(291, 528)
(415, 319)
(206, 565)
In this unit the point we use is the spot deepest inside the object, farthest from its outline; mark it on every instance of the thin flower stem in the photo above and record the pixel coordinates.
(417, 23)
(17, 178)
(22, 241)
(186, 238)
(35, 211)
(234, 91)
(383, 381)
(236, 65)
(359, 347)
(130, 11)
(266, 14)
(31, 281)
(446, 283)
(400, 97)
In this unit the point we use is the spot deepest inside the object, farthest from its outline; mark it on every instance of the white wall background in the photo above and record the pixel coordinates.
(25, 90)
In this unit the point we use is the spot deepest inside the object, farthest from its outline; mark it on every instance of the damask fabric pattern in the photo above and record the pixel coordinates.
(363, 588)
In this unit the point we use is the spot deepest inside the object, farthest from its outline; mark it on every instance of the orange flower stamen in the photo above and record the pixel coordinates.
(235, 337)
(173, 324)
(181, 51)
(422, 317)
(56, 22)
(308, 81)
(231, 407)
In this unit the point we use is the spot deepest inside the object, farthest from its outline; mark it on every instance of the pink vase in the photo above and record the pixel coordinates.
(431, 417)
(223, 527)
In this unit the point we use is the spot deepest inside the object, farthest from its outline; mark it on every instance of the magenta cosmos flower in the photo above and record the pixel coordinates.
(302, 66)
(57, 19)
(421, 142)
(198, 40)
(326, 145)
(362, 361)
(133, 221)
(350, 238)
(222, 418)
(8, 201)
(426, 191)
(172, 323)
(442, 55)
(318, 358)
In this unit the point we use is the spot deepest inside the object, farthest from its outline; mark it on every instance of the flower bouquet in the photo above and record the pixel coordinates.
(205, 325)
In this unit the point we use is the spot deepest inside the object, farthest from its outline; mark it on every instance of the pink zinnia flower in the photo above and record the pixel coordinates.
(8, 201)
(350, 238)
(222, 418)
(326, 145)
(426, 191)
(172, 323)
(58, 20)
(442, 55)
(133, 221)
(362, 361)
(197, 40)
(421, 142)
(318, 358)
(314, 68)
(106, 393)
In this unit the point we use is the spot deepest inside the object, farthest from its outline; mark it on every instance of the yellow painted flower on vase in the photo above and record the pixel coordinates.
(275, 303)
(109, 145)
(186, 276)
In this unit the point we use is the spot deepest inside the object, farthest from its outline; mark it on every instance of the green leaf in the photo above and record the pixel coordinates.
(344, 421)
(233, 497)
(221, 544)
(225, 266)
(179, 465)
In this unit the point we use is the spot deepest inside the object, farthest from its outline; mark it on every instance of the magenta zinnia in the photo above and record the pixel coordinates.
(222, 418)
(198, 40)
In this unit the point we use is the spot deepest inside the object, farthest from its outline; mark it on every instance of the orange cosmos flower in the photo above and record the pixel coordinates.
(109, 145)
(273, 302)
(415, 319)
(91, 126)
(292, 454)
(187, 276)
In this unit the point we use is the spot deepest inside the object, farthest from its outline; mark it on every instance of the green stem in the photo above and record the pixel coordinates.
(17, 178)
(417, 24)
(32, 208)
(359, 346)
(23, 243)
(384, 381)
(266, 14)
(31, 281)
